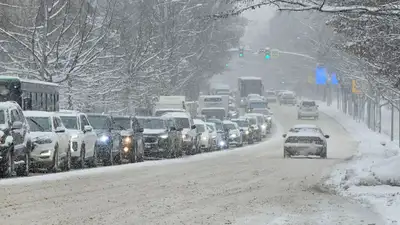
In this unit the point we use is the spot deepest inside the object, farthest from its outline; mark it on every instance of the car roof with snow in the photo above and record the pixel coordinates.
(68, 113)
(305, 126)
(38, 114)
(250, 78)
(197, 121)
(228, 122)
(210, 123)
(253, 114)
(8, 104)
(151, 117)
(304, 134)
(176, 114)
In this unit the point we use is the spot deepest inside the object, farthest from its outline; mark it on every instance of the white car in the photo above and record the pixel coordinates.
(216, 138)
(51, 141)
(83, 138)
(204, 135)
(305, 139)
(184, 121)
(307, 109)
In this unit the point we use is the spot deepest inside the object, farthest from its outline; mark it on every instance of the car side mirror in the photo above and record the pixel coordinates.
(284, 135)
(326, 136)
(179, 129)
(193, 127)
(241, 130)
(172, 129)
(9, 140)
(17, 125)
(60, 130)
(87, 128)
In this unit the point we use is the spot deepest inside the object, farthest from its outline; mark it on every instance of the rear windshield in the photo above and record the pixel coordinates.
(122, 123)
(308, 104)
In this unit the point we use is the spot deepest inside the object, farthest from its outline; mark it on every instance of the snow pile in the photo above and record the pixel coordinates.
(372, 175)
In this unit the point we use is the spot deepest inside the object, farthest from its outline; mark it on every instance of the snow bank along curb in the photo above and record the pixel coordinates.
(372, 175)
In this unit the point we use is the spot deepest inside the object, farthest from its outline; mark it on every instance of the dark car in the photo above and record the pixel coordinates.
(131, 144)
(15, 142)
(161, 137)
(103, 126)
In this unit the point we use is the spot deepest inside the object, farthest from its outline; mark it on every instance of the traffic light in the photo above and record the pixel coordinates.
(267, 54)
(241, 52)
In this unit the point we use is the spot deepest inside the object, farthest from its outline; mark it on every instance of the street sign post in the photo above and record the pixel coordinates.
(321, 75)
(354, 87)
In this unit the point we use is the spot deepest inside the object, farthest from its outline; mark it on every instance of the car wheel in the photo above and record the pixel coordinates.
(8, 166)
(81, 163)
(286, 154)
(56, 161)
(67, 160)
(94, 160)
(324, 154)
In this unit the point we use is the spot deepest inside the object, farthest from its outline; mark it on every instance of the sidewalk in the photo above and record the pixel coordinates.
(372, 175)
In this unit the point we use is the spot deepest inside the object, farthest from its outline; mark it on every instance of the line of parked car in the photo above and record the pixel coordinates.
(64, 140)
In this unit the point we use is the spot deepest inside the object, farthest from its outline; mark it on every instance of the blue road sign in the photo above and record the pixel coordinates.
(334, 79)
(320, 75)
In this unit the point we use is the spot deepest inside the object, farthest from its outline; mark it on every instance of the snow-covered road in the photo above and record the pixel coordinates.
(252, 185)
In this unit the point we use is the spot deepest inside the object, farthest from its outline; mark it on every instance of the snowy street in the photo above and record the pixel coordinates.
(250, 185)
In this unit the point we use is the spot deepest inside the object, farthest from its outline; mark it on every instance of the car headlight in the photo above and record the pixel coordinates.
(204, 138)
(127, 140)
(269, 118)
(104, 138)
(221, 143)
(214, 136)
(247, 132)
(164, 136)
(263, 126)
(233, 135)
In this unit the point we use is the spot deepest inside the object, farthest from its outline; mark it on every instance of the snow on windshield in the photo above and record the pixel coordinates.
(257, 105)
(70, 122)
(200, 128)
(211, 127)
(2, 117)
(305, 129)
(122, 123)
(229, 126)
(151, 123)
(182, 122)
(241, 123)
(98, 122)
(39, 124)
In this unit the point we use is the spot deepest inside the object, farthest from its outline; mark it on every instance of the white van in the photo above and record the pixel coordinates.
(307, 109)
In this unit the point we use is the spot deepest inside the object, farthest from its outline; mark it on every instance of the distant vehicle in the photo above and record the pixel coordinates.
(261, 123)
(83, 138)
(103, 126)
(214, 106)
(257, 106)
(307, 109)
(234, 133)
(305, 139)
(16, 144)
(131, 143)
(30, 94)
(287, 98)
(168, 104)
(221, 132)
(51, 142)
(245, 126)
(161, 137)
(215, 136)
(271, 96)
(184, 121)
(219, 89)
(248, 86)
(204, 136)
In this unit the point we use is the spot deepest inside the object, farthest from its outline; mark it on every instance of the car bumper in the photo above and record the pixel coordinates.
(284, 101)
(42, 154)
(308, 114)
(304, 149)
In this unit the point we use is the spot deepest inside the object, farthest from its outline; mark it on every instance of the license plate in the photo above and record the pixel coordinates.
(147, 145)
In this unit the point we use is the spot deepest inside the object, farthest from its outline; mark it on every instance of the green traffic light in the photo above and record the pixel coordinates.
(241, 55)
(267, 56)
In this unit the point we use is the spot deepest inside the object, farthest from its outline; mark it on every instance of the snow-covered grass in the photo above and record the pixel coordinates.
(118, 168)
(372, 175)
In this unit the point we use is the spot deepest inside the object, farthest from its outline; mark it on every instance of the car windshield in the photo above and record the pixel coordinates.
(162, 112)
(70, 122)
(2, 117)
(200, 128)
(151, 123)
(98, 122)
(122, 123)
(252, 121)
(308, 104)
(258, 105)
(229, 126)
(39, 124)
(241, 123)
(182, 122)
(211, 127)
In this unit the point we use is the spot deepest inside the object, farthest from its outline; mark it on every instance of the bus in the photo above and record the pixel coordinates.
(30, 94)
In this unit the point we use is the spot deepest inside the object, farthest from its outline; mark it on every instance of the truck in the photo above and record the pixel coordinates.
(249, 85)
(214, 106)
(168, 104)
(191, 107)
(220, 89)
